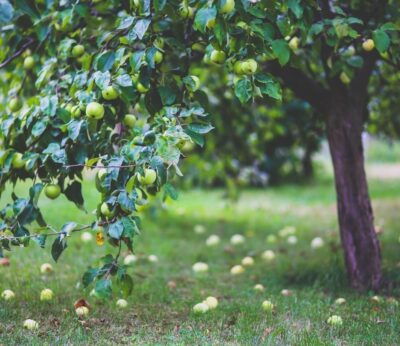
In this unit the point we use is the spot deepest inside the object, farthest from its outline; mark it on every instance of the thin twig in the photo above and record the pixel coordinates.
(50, 234)
(90, 166)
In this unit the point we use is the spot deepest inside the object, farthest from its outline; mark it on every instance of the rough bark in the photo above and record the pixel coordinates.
(360, 244)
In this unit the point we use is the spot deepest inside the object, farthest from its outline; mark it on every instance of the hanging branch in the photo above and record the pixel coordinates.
(26, 45)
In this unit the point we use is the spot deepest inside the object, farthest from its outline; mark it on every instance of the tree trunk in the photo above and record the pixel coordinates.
(307, 164)
(357, 231)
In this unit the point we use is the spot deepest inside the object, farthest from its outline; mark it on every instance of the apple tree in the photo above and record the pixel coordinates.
(109, 86)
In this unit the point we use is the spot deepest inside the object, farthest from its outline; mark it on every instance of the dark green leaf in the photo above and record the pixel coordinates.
(381, 40)
(243, 90)
(281, 51)
(59, 245)
(103, 288)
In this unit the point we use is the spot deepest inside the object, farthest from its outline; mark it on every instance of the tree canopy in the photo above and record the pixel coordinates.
(111, 86)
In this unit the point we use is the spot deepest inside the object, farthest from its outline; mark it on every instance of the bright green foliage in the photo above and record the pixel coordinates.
(121, 48)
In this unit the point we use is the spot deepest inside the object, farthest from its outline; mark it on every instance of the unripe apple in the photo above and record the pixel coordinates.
(46, 295)
(249, 66)
(101, 173)
(158, 57)
(247, 261)
(149, 177)
(78, 51)
(129, 120)
(237, 67)
(105, 210)
(237, 270)
(368, 45)
(268, 255)
(122, 303)
(82, 311)
(7, 295)
(345, 78)
(31, 324)
(86, 237)
(218, 56)
(186, 11)
(29, 63)
(267, 306)
(141, 88)
(95, 110)
(200, 308)
(242, 25)
(76, 111)
(52, 191)
(228, 6)
(212, 302)
(196, 81)
(109, 93)
(294, 43)
(259, 288)
(130, 259)
(46, 268)
(198, 47)
(335, 320)
(159, 42)
(17, 161)
(15, 104)
(210, 23)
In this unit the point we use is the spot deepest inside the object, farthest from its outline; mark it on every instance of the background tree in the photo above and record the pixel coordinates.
(110, 85)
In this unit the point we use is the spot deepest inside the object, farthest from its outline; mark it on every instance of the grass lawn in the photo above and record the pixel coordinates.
(160, 308)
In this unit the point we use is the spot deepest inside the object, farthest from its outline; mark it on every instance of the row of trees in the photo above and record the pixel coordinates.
(76, 74)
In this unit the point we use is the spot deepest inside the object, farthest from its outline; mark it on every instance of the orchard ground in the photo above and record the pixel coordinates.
(160, 307)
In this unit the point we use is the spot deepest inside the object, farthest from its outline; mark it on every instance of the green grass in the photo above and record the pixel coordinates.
(158, 314)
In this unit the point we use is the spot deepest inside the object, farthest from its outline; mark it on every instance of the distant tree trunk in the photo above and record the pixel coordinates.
(360, 244)
(307, 164)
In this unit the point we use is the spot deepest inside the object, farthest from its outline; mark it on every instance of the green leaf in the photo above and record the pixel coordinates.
(136, 60)
(115, 230)
(203, 16)
(381, 40)
(220, 31)
(39, 127)
(197, 138)
(28, 7)
(269, 86)
(74, 128)
(34, 193)
(89, 276)
(130, 227)
(243, 90)
(124, 80)
(74, 194)
(102, 79)
(141, 27)
(200, 128)
(6, 12)
(40, 240)
(125, 284)
(103, 288)
(59, 245)
(356, 61)
(281, 51)
(296, 8)
(171, 191)
(105, 61)
(126, 22)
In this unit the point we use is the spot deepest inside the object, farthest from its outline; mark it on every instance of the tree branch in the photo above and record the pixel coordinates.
(359, 85)
(26, 45)
(303, 86)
